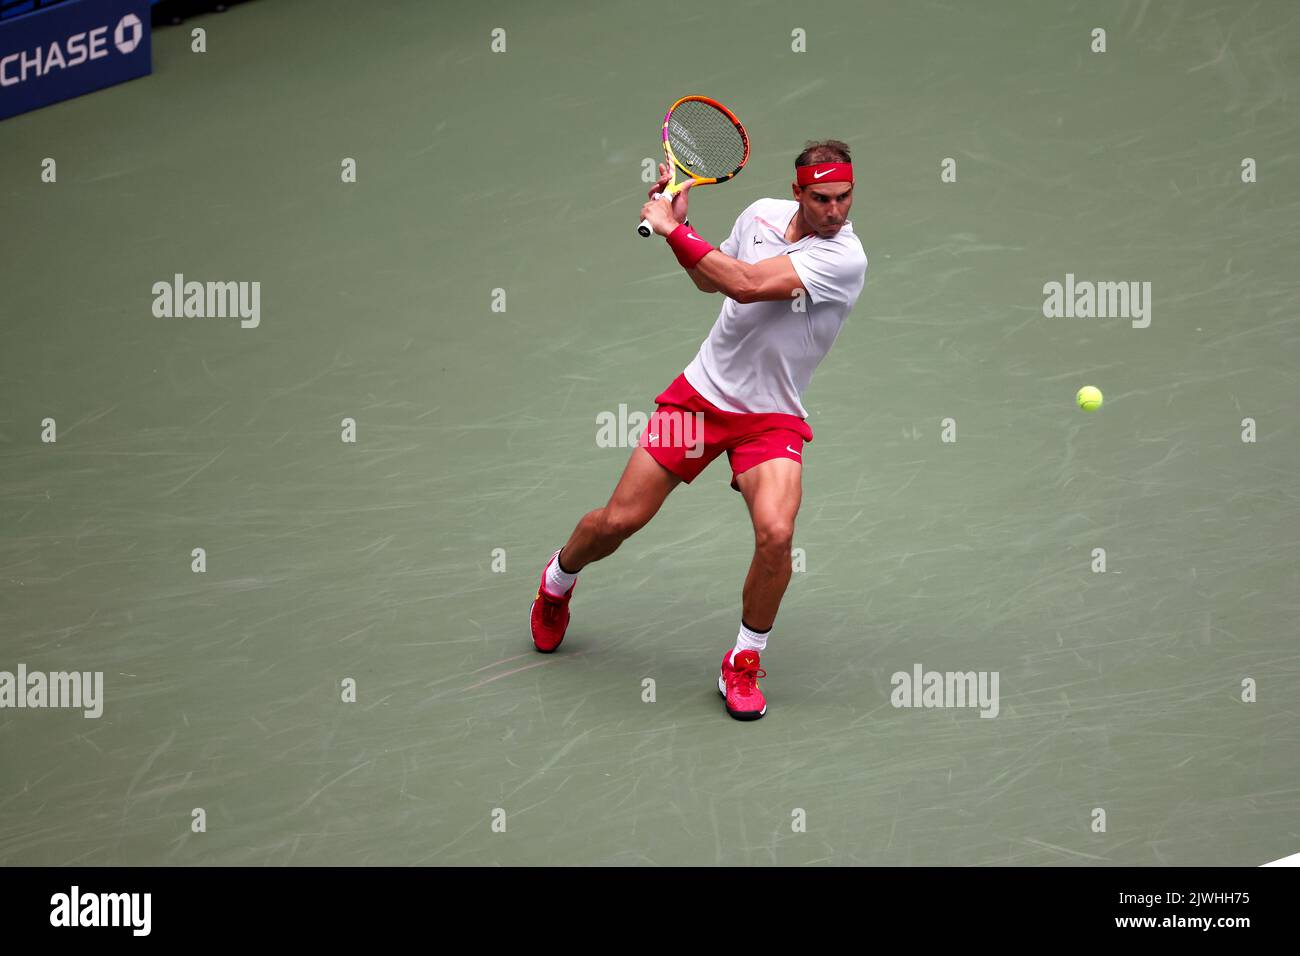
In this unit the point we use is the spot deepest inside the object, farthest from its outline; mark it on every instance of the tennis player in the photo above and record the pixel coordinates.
(790, 270)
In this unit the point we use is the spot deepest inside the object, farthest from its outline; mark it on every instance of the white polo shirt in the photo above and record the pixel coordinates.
(760, 356)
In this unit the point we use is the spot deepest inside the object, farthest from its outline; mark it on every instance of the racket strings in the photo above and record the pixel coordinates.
(705, 140)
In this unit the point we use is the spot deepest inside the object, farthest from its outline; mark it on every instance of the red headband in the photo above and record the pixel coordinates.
(825, 173)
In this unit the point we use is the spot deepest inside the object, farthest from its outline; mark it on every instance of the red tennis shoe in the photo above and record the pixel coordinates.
(738, 684)
(550, 614)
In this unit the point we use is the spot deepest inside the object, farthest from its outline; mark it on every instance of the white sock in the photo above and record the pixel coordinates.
(558, 582)
(748, 640)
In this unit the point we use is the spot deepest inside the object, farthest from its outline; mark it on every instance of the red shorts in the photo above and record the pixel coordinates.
(687, 431)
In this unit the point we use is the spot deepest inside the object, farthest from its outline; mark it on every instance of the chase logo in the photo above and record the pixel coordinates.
(69, 48)
(126, 37)
(67, 52)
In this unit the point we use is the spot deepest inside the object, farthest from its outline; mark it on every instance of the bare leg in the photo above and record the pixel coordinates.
(639, 493)
(773, 491)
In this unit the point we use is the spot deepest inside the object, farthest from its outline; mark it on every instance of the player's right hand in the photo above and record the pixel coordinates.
(680, 202)
(662, 182)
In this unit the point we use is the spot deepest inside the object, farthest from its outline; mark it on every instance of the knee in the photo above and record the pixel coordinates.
(774, 538)
(620, 523)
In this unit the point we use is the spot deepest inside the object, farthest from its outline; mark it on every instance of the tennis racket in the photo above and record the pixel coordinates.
(704, 140)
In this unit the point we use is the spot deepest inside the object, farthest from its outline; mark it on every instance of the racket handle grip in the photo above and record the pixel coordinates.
(644, 229)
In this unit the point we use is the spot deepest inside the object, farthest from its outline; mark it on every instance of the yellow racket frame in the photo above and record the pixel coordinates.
(674, 185)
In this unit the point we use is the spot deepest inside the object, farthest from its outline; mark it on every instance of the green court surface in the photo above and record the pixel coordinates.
(476, 431)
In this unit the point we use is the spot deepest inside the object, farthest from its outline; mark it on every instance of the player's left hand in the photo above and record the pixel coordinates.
(663, 215)
(659, 214)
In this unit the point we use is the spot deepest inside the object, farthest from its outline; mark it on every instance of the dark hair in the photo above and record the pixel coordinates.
(823, 151)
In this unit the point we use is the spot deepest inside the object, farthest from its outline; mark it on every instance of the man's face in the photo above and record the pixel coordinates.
(825, 207)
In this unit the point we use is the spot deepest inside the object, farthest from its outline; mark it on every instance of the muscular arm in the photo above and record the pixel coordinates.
(701, 283)
(763, 281)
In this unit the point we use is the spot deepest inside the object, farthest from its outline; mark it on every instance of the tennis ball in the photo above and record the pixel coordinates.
(1089, 398)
